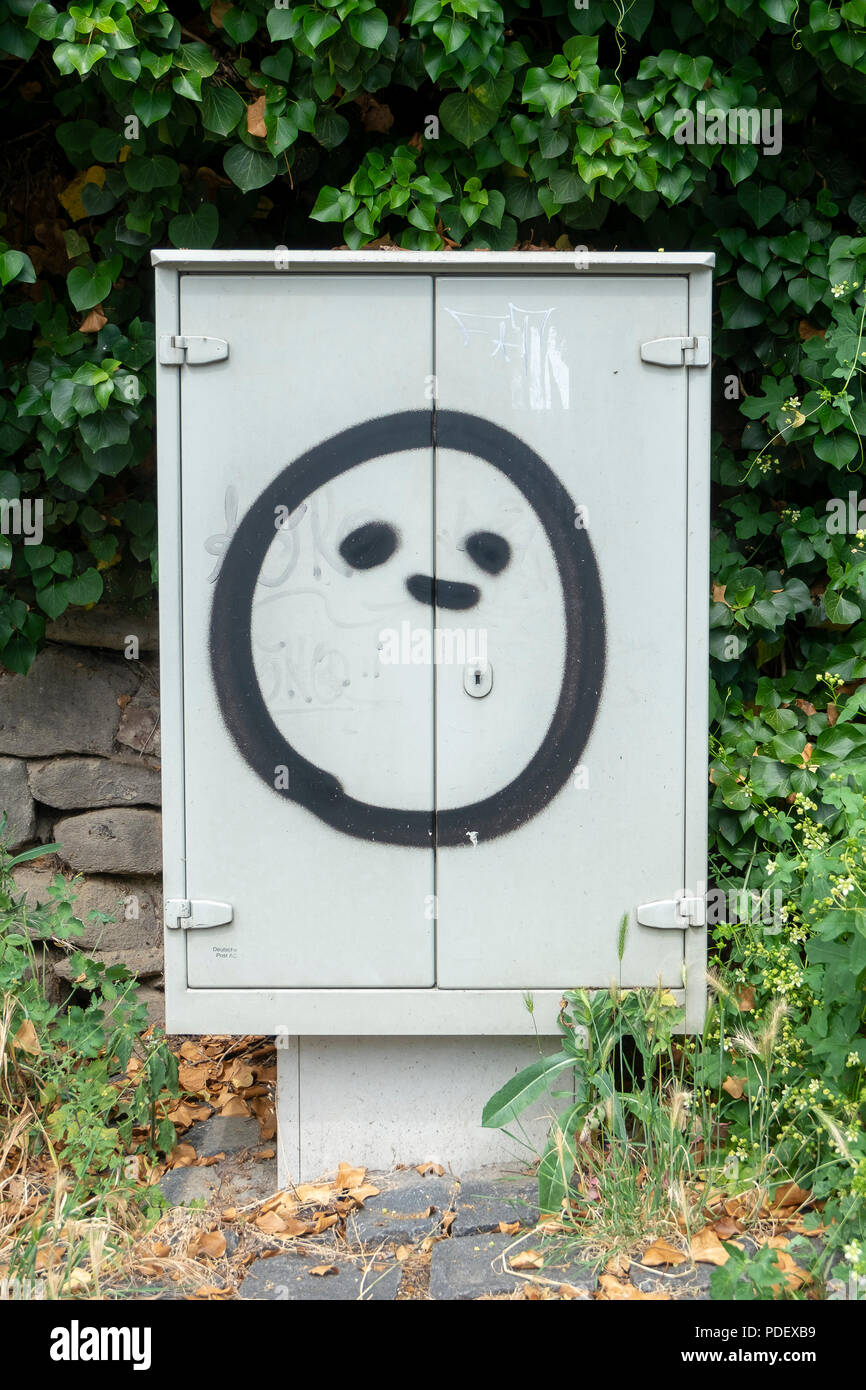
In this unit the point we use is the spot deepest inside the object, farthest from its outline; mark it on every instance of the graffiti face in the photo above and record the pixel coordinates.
(510, 564)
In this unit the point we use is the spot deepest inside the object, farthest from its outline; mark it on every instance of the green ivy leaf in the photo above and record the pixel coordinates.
(89, 286)
(249, 169)
(762, 202)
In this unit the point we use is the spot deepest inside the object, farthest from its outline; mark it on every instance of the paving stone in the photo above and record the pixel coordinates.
(486, 1198)
(227, 1134)
(686, 1282)
(180, 1186)
(466, 1267)
(288, 1277)
(401, 1213)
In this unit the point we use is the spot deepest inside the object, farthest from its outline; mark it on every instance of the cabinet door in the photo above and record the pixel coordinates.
(308, 757)
(561, 506)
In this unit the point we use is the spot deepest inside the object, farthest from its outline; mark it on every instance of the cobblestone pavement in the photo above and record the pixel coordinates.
(433, 1237)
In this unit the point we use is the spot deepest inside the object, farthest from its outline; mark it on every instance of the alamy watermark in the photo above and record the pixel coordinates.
(441, 646)
(22, 518)
(740, 125)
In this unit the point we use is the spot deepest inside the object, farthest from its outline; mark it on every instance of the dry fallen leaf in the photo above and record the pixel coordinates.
(403, 1252)
(612, 1289)
(725, 1227)
(746, 1000)
(322, 1270)
(26, 1039)
(790, 1195)
(706, 1248)
(425, 1168)
(734, 1085)
(360, 1194)
(212, 1244)
(618, 1265)
(348, 1177)
(182, 1156)
(317, 1193)
(256, 117)
(234, 1105)
(661, 1252)
(507, 1228)
(323, 1222)
(193, 1078)
(527, 1259)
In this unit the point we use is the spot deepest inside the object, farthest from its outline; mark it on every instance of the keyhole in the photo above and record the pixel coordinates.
(477, 677)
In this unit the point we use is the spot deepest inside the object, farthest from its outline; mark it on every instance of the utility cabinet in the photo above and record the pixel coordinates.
(433, 597)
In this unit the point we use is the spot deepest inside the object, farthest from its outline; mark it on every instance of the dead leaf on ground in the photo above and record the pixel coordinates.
(661, 1252)
(726, 1227)
(323, 1222)
(790, 1195)
(402, 1252)
(618, 1265)
(323, 1270)
(507, 1228)
(348, 1177)
(229, 1214)
(527, 1259)
(611, 1289)
(426, 1168)
(194, 1078)
(233, 1105)
(317, 1194)
(211, 1244)
(360, 1194)
(182, 1156)
(706, 1248)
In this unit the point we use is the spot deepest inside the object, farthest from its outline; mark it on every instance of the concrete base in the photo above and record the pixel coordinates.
(387, 1101)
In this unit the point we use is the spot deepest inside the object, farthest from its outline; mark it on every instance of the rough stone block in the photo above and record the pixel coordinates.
(70, 783)
(134, 903)
(139, 727)
(288, 1277)
(118, 840)
(67, 703)
(487, 1198)
(105, 626)
(406, 1210)
(228, 1134)
(470, 1266)
(16, 800)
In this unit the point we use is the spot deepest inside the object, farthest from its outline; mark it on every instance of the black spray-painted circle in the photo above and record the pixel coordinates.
(262, 744)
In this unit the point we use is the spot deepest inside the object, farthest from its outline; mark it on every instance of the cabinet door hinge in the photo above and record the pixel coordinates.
(676, 352)
(186, 914)
(673, 914)
(176, 348)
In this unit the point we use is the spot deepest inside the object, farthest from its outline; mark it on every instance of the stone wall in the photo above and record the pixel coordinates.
(79, 766)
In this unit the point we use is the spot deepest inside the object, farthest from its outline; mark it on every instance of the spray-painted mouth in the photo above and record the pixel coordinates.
(442, 593)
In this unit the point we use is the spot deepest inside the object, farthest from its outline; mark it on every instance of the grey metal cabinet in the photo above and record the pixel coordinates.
(433, 559)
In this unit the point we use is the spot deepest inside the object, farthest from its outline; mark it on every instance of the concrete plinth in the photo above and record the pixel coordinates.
(400, 1100)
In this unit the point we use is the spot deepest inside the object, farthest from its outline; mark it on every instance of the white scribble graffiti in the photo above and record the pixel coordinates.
(523, 338)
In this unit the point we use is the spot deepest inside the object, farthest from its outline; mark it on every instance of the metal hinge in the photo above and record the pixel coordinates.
(175, 349)
(673, 914)
(185, 914)
(676, 352)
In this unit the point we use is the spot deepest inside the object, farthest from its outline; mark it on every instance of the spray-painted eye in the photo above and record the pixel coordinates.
(489, 551)
(369, 545)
